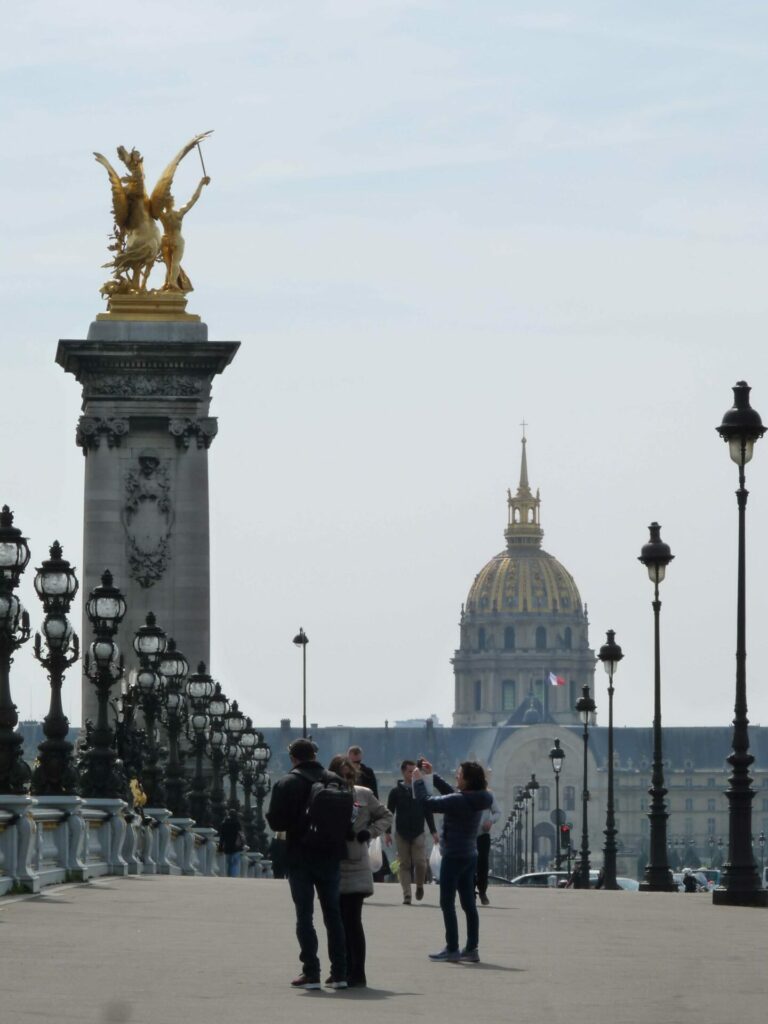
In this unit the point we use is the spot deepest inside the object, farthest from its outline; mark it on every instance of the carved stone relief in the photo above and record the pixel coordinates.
(203, 430)
(92, 430)
(147, 518)
(143, 385)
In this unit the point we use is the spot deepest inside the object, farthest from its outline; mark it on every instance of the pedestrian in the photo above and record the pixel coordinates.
(410, 818)
(232, 842)
(461, 809)
(689, 881)
(487, 820)
(312, 867)
(365, 774)
(371, 819)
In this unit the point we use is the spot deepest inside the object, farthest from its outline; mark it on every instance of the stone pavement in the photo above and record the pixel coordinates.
(162, 950)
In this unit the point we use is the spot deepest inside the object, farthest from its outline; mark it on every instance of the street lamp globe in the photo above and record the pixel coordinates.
(55, 582)
(150, 641)
(741, 425)
(14, 550)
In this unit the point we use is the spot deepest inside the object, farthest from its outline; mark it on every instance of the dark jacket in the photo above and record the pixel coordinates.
(287, 808)
(461, 810)
(228, 832)
(410, 815)
(367, 778)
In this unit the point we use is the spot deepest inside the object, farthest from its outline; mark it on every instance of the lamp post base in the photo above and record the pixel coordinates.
(722, 897)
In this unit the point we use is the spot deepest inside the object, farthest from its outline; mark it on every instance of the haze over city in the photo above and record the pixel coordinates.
(426, 224)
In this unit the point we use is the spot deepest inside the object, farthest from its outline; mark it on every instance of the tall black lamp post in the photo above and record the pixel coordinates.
(200, 688)
(519, 805)
(101, 773)
(56, 586)
(532, 785)
(740, 884)
(261, 755)
(234, 724)
(217, 738)
(301, 640)
(610, 654)
(172, 669)
(557, 756)
(150, 643)
(656, 556)
(586, 708)
(14, 631)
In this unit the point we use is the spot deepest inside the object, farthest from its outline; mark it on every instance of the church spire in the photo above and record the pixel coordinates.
(523, 523)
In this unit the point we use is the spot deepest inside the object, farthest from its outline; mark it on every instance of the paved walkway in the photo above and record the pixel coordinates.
(159, 950)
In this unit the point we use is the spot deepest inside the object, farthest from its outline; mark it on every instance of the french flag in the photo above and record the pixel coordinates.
(556, 680)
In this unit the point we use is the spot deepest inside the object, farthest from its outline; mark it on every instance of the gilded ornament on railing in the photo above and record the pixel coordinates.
(147, 230)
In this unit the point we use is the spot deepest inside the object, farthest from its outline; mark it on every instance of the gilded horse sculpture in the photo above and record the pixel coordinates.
(138, 240)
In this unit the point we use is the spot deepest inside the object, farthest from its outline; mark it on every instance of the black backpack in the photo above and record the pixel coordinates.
(330, 810)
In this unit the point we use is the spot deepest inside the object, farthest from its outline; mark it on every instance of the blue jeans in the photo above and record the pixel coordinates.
(457, 874)
(304, 878)
(233, 865)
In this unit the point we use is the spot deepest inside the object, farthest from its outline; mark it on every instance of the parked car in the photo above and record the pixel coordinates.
(540, 879)
(629, 884)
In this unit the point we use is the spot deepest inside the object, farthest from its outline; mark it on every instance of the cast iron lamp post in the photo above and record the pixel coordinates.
(248, 742)
(711, 845)
(519, 804)
(740, 885)
(217, 709)
(585, 707)
(301, 640)
(200, 689)
(234, 726)
(656, 556)
(101, 773)
(172, 669)
(261, 755)
(525, 795)
(532, 785)
(14, 631)
(150, 644)
(56, 586)
(557, 756)
(610, 654)
(761, 844)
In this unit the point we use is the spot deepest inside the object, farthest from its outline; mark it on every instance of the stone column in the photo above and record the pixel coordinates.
(145, 433)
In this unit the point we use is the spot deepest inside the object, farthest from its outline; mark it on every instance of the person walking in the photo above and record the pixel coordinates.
(410, 817)
(371, 819)
(310, 869)
(365, 775)
(232, 842)
(487, 820)
(461, 809)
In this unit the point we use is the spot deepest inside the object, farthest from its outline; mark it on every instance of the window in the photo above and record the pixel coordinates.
(688, 782)
(711, 805)
(689, 826)
(508, 701)
(689, 804)
(541, 638)
(543, 798)
(478, 695)
(569, 798)
(567, 638)
(710, 826)
(765, 782)
(481, 639)
(765, 805)
(711, 782)
(509, 638)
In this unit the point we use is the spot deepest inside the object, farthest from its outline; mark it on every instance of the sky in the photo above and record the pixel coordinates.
(427, 221)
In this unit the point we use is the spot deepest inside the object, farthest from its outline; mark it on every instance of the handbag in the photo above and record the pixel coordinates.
(374, 854)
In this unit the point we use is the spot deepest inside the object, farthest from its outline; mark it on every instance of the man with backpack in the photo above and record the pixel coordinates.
(314, 808)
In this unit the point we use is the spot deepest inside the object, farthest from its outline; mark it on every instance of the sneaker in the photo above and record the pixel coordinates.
(419, 892)
(407, 901)
(484, 899)
(304, 981)
(356, 983)
(451, 956)
(469, 956)
(336, 983)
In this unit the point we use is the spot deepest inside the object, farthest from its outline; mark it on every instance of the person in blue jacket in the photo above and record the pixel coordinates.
(461, 809)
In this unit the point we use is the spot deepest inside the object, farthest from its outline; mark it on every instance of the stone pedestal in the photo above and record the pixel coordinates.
(145, 432)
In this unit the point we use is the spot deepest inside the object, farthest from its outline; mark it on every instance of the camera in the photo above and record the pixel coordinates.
(420, 763)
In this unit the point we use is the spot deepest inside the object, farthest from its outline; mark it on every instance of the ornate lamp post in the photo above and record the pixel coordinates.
(532, 785)
(56, 586)
(711, 845)
(248, 741)
(101, 773)
(761, 844)
(172, 669)
(261, 755)
(301, 640)
(525, 796)
(14, 631)
(740, 885)
(656, 556)
(610, 654)
(217, 709)
(234, 725)
(519, 804)
(586, 708)
(150, 644)
(557, 756)
(200, 689)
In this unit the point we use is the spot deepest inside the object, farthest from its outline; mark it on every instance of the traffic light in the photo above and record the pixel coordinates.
(565, 833)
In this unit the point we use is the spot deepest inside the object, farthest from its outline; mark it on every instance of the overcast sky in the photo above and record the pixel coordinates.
(427, 221)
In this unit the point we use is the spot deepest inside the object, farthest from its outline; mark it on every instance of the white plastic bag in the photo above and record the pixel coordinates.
(434, 862)
(374, 854)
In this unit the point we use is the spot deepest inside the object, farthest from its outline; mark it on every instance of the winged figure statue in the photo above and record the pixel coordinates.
(138, 241)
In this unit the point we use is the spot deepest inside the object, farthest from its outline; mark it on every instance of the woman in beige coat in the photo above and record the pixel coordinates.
(371, 819)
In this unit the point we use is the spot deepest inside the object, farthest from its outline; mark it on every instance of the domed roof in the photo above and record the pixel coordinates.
(524, 578)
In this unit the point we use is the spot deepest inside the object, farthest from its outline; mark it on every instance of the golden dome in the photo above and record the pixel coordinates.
(523, 580)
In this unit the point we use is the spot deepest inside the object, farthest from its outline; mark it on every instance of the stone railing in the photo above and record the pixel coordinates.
(51, 840)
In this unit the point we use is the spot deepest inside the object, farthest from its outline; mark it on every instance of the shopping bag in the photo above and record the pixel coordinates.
(434, 862)
(374, 854)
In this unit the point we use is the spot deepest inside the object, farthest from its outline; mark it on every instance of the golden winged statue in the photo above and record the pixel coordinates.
(138, 241)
